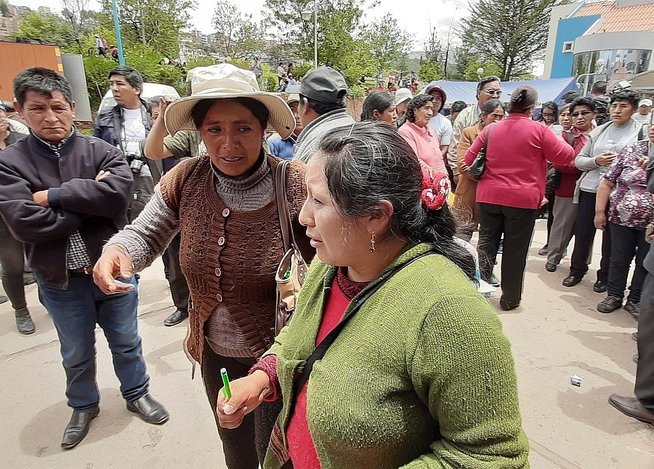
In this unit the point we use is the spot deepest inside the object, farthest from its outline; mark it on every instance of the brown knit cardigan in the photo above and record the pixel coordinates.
(231, 257)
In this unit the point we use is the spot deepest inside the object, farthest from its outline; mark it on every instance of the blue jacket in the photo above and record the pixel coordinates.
(282, 148)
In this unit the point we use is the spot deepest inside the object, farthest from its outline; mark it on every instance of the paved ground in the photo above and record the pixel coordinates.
(555, 334)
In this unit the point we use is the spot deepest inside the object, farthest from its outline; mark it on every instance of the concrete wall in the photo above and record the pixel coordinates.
(569, 29)
(558, 13)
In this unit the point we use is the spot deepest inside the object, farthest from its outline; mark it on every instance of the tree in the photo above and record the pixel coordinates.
(387, 42)
(156, 23)
(339, 26)
(429, 71)
(47, 27)
(238, 36)
(511, 33)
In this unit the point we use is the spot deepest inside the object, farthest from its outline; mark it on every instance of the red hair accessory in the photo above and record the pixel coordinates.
(435, 190)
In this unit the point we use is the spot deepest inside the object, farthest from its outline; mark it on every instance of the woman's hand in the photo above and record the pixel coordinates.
(113, 263)
(605, 159)
(600, 220)
(247, 394)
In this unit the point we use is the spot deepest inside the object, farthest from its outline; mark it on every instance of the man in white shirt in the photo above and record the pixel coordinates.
(439, 123)
(644, 112)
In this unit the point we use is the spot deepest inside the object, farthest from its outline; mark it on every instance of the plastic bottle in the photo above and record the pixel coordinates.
(610, 148)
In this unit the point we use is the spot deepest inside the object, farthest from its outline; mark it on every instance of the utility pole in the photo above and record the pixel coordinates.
(119, 40)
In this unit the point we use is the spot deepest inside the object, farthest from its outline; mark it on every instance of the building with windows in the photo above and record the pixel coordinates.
(601, 40)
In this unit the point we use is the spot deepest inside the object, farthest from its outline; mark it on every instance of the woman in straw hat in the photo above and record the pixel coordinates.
(224, 206)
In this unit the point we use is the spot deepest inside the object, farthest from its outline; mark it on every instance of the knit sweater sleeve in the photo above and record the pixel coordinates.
(467, 380)
(149, 235)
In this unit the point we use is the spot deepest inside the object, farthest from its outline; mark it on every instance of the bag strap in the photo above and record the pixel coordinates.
(322, 347)
(279, 177)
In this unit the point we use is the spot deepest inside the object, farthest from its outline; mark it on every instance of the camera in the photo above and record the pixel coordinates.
(136, 162)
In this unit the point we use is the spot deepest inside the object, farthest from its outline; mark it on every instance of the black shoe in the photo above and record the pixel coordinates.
(493, 280)
(632, 407)
(543, 251)
(176, 317)
(78, 427)
(3, 299)
(550, 267)
(600, 286)
(634, 335)
(571, 280)
(633, 309)
(149, 409)
(507, 306)
(24, 322)
(609, 304)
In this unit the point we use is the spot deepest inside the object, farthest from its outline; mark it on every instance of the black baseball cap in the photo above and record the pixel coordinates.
(325, 85)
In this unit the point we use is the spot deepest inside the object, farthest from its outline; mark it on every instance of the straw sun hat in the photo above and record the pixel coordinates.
(225, 81)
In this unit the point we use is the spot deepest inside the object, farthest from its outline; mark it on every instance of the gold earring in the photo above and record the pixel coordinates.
(372, 242)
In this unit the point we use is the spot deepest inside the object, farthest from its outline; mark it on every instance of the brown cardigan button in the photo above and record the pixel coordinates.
(219, 297)
(221, 241)
(226, 213)
(218, 272)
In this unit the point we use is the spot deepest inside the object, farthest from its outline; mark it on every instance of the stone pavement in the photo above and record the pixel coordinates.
(556, 333)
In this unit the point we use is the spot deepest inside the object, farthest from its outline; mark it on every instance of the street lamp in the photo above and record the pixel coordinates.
(306, 16)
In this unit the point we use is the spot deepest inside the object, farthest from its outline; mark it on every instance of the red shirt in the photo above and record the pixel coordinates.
(300, 444)
(516, 161)
(569, 172)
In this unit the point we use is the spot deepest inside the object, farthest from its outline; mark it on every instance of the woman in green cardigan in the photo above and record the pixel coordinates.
(420, 374)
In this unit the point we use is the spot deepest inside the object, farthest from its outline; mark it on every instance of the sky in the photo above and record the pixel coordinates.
(418, 19)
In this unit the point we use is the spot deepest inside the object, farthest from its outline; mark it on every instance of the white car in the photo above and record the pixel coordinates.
(150, 90)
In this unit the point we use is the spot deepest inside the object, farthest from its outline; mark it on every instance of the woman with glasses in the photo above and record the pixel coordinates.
(512, 187)
(601, 150)
(549, 114)
(487, 88)
(581, 114)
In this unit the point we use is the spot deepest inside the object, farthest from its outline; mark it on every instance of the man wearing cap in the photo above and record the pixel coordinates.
(64, 194)
(440, 124)
(283, 147)
(487, 88)
(644, 112)
(322, 108)
(402, 98)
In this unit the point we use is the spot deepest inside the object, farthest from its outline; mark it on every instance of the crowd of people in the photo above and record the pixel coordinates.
(383, 210)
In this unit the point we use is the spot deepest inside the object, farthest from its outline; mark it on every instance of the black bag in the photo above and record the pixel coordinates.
(476, 168)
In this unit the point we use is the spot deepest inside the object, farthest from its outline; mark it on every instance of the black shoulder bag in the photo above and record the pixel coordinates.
(478, 165)
(322, 347)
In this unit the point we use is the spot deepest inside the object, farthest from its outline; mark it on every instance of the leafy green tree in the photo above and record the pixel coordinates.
(488, 68)
(339, 28)
(511, 33)
(387, 42)
(48, 27)
(156, 23)
(429, 71)
(238, 35)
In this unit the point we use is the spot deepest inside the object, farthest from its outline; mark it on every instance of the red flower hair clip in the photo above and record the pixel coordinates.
(435, 190)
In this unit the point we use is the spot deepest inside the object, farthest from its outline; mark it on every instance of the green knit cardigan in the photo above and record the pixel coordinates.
(421, 377)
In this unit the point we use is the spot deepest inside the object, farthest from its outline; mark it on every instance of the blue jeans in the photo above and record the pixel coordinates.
(75, 312)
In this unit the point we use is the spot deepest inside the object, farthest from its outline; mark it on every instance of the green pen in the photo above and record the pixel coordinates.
(227, 392)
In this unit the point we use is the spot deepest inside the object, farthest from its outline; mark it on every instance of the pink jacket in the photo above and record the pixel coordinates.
(516, 161)
(425, 144)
